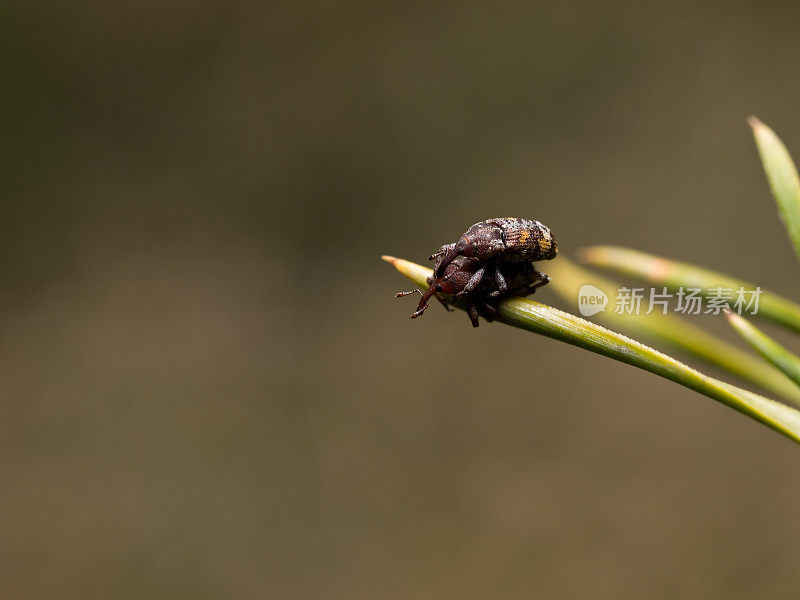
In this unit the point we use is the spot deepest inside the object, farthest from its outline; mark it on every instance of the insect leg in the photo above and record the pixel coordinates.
(491, 311)
(443, 303)
(502, 287)
(543, 280)
(472, 311)
(473, 281)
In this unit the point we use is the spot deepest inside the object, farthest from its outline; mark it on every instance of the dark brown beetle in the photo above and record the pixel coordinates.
(460, 280)
(501, 241)
(498, 244)
(456, 277)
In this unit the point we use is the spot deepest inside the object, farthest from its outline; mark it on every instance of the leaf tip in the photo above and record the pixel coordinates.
(754, 122)
(585, 254)
(735, 320)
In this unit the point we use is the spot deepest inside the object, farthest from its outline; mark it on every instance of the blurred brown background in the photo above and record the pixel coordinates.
(208, 389)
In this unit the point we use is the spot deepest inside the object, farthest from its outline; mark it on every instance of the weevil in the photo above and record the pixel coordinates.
(515, 239)
(493, 259)
(463, 279)
(499, 241)
(456, 277)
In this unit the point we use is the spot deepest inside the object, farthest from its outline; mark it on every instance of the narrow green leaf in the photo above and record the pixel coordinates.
(779, 356)
(782, 177)
(674, 275)
(567, 280)
(550, 322)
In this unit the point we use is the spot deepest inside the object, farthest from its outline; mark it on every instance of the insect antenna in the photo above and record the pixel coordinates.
(423, 301)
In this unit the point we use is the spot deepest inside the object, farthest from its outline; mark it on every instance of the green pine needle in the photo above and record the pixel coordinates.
(782, 177)
(674, 275)
(545, 320)
(779, 356)
(673, 331)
